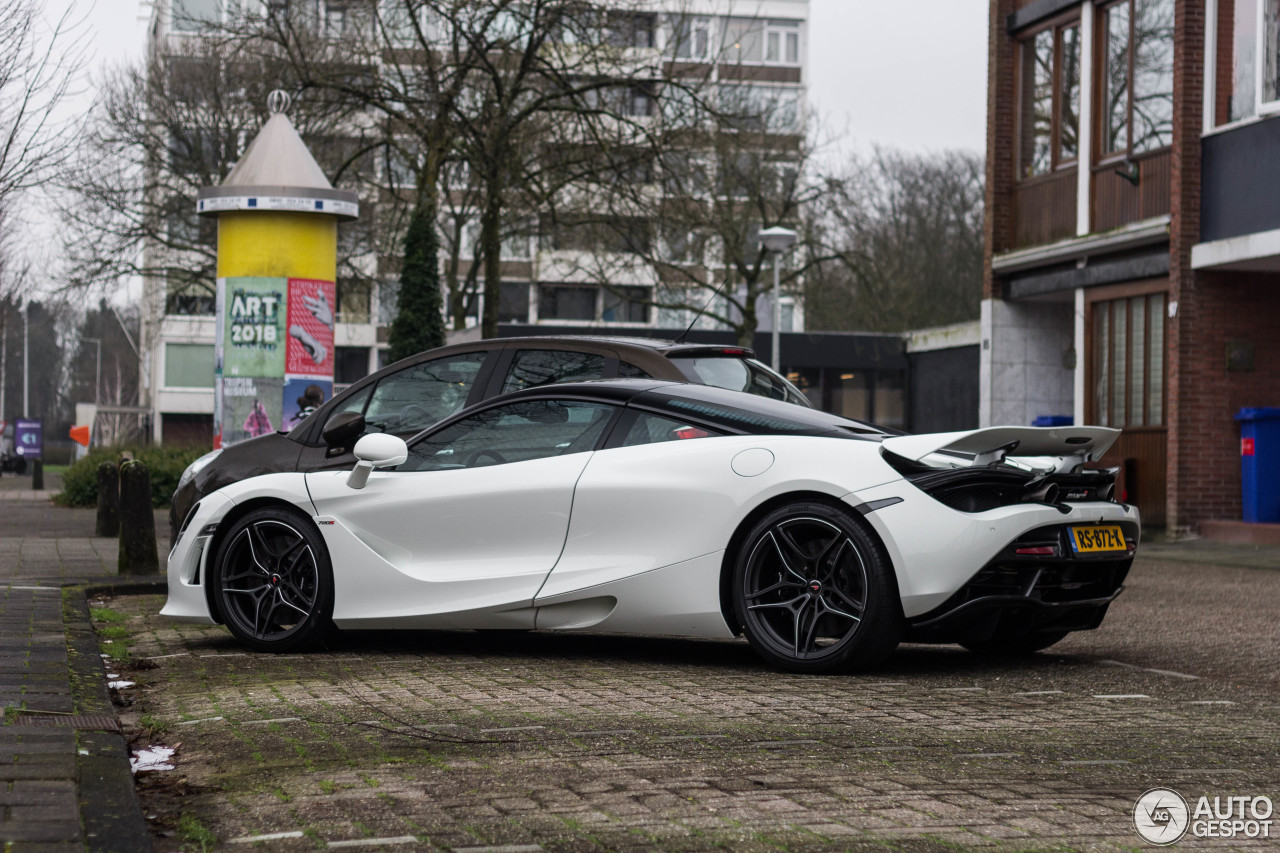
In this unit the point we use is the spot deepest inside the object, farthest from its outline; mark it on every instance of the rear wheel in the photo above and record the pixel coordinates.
(273, 581)
(1014, 645)
(814, 592)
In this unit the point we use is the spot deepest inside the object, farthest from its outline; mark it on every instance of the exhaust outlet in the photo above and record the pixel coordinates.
(1047, 494)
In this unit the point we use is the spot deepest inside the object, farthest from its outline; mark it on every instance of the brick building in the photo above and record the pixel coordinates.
(1132, 265)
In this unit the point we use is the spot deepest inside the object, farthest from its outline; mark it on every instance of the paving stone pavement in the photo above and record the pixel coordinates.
(522, 742)
(64, 775)
(472, 740)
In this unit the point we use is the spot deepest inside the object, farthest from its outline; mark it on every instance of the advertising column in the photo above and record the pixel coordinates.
(275, 344)
(276, 299)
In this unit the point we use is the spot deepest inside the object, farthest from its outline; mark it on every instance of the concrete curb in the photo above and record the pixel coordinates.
(109, 809)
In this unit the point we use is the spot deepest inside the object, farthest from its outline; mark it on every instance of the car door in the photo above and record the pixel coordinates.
(404, 403)
(477, 516)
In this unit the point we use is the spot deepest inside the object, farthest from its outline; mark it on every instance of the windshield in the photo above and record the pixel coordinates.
(740, 374)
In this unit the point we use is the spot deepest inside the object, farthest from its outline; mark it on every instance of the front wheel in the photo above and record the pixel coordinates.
(273, 581)
(814, 592)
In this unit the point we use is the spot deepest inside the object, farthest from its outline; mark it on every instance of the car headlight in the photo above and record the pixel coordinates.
(196, 467)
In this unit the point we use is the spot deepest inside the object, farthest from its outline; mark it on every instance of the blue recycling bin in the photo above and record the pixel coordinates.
(1053, 420)
(1260, 463)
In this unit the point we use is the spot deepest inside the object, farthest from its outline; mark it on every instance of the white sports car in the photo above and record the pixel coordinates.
(650, 507)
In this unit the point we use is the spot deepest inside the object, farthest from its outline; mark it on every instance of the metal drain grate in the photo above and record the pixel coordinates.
(83, 722)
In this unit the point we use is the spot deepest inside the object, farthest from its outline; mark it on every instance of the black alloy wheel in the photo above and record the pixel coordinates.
(274, 582)
(814, 592)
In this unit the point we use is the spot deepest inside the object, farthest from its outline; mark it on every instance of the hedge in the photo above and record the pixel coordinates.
(165, 465)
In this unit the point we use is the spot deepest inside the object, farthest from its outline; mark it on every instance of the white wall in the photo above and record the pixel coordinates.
(1025, 348)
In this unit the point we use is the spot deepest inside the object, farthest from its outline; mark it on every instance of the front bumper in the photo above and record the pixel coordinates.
(189, 563)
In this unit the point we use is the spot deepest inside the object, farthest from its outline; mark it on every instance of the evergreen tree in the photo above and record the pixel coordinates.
(419, 322)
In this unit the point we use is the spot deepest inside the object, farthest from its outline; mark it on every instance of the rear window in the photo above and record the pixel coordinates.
(740, 374)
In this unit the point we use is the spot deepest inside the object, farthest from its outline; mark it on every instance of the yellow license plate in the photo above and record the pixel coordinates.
(1097, 539)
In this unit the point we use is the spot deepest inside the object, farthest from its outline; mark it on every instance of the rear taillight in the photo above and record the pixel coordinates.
(1038, 551)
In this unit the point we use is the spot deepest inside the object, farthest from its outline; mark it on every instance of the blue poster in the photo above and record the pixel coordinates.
(28, 438)
(302, 396)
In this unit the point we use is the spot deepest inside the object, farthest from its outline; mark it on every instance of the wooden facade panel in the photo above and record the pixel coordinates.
(1117, 202)
(1044, 209)
(1141, 456)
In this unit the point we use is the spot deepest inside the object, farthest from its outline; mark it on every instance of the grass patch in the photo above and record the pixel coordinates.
(195, 834)
(105, 614)
(113, 632)
(152, 727)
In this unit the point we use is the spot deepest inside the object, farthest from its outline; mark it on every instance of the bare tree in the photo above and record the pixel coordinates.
(38, 69)
(482, 91)
(903, 235)
(675, 225)
(39, 66)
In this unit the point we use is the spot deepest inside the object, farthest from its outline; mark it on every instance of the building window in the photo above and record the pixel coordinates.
(628, 29)
(756, 41)
(1244, 86)
(350, 364)
(513, 302)
(567, 302)
(782, 43)
(626, 305)
(1236, 95)
(689, 37)
(192, 16)
(188, 365)
(1136, 56)
(1128, 361)
(770, 108)
(1049, 103)
(354, 297)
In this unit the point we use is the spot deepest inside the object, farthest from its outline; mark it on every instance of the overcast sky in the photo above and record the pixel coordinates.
(901, 74)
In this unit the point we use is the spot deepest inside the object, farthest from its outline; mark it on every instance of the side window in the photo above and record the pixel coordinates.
(630, 371)
(651, 429)
(416, 397)
(516, 432)
(533, 367)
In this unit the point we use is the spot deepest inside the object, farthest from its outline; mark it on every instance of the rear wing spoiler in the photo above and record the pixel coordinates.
(987, 446)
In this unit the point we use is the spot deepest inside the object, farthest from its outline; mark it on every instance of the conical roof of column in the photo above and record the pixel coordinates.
(277, 156)
(277, 172)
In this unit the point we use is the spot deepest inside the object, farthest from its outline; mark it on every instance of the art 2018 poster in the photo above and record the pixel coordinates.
(275, 353)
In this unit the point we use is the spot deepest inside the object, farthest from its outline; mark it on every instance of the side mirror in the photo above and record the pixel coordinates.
(342, 429)
(376, 451)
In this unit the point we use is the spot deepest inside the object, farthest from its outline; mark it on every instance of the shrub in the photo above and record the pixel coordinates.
(164, 464)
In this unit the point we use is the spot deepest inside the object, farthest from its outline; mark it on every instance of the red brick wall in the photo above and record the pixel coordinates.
(1000, 141)
(1228, 306)
(1186, 433)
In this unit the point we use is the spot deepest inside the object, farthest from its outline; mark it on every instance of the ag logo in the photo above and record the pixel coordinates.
(1161, 816)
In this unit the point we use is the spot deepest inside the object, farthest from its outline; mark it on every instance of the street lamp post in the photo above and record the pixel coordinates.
(97, 379)
(777, 240)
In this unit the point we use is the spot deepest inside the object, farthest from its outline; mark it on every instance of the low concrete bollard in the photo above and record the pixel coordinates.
(108, 500)
(138, 555)
(37, 475)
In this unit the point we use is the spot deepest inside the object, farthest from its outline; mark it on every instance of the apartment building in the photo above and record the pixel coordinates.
(754, 51)
(1132, 266)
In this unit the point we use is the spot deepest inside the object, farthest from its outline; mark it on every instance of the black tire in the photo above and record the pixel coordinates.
(814, 592)
(273, 581)
(1014, 645)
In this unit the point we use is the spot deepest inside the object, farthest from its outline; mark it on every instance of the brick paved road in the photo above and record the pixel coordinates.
(589, 742)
